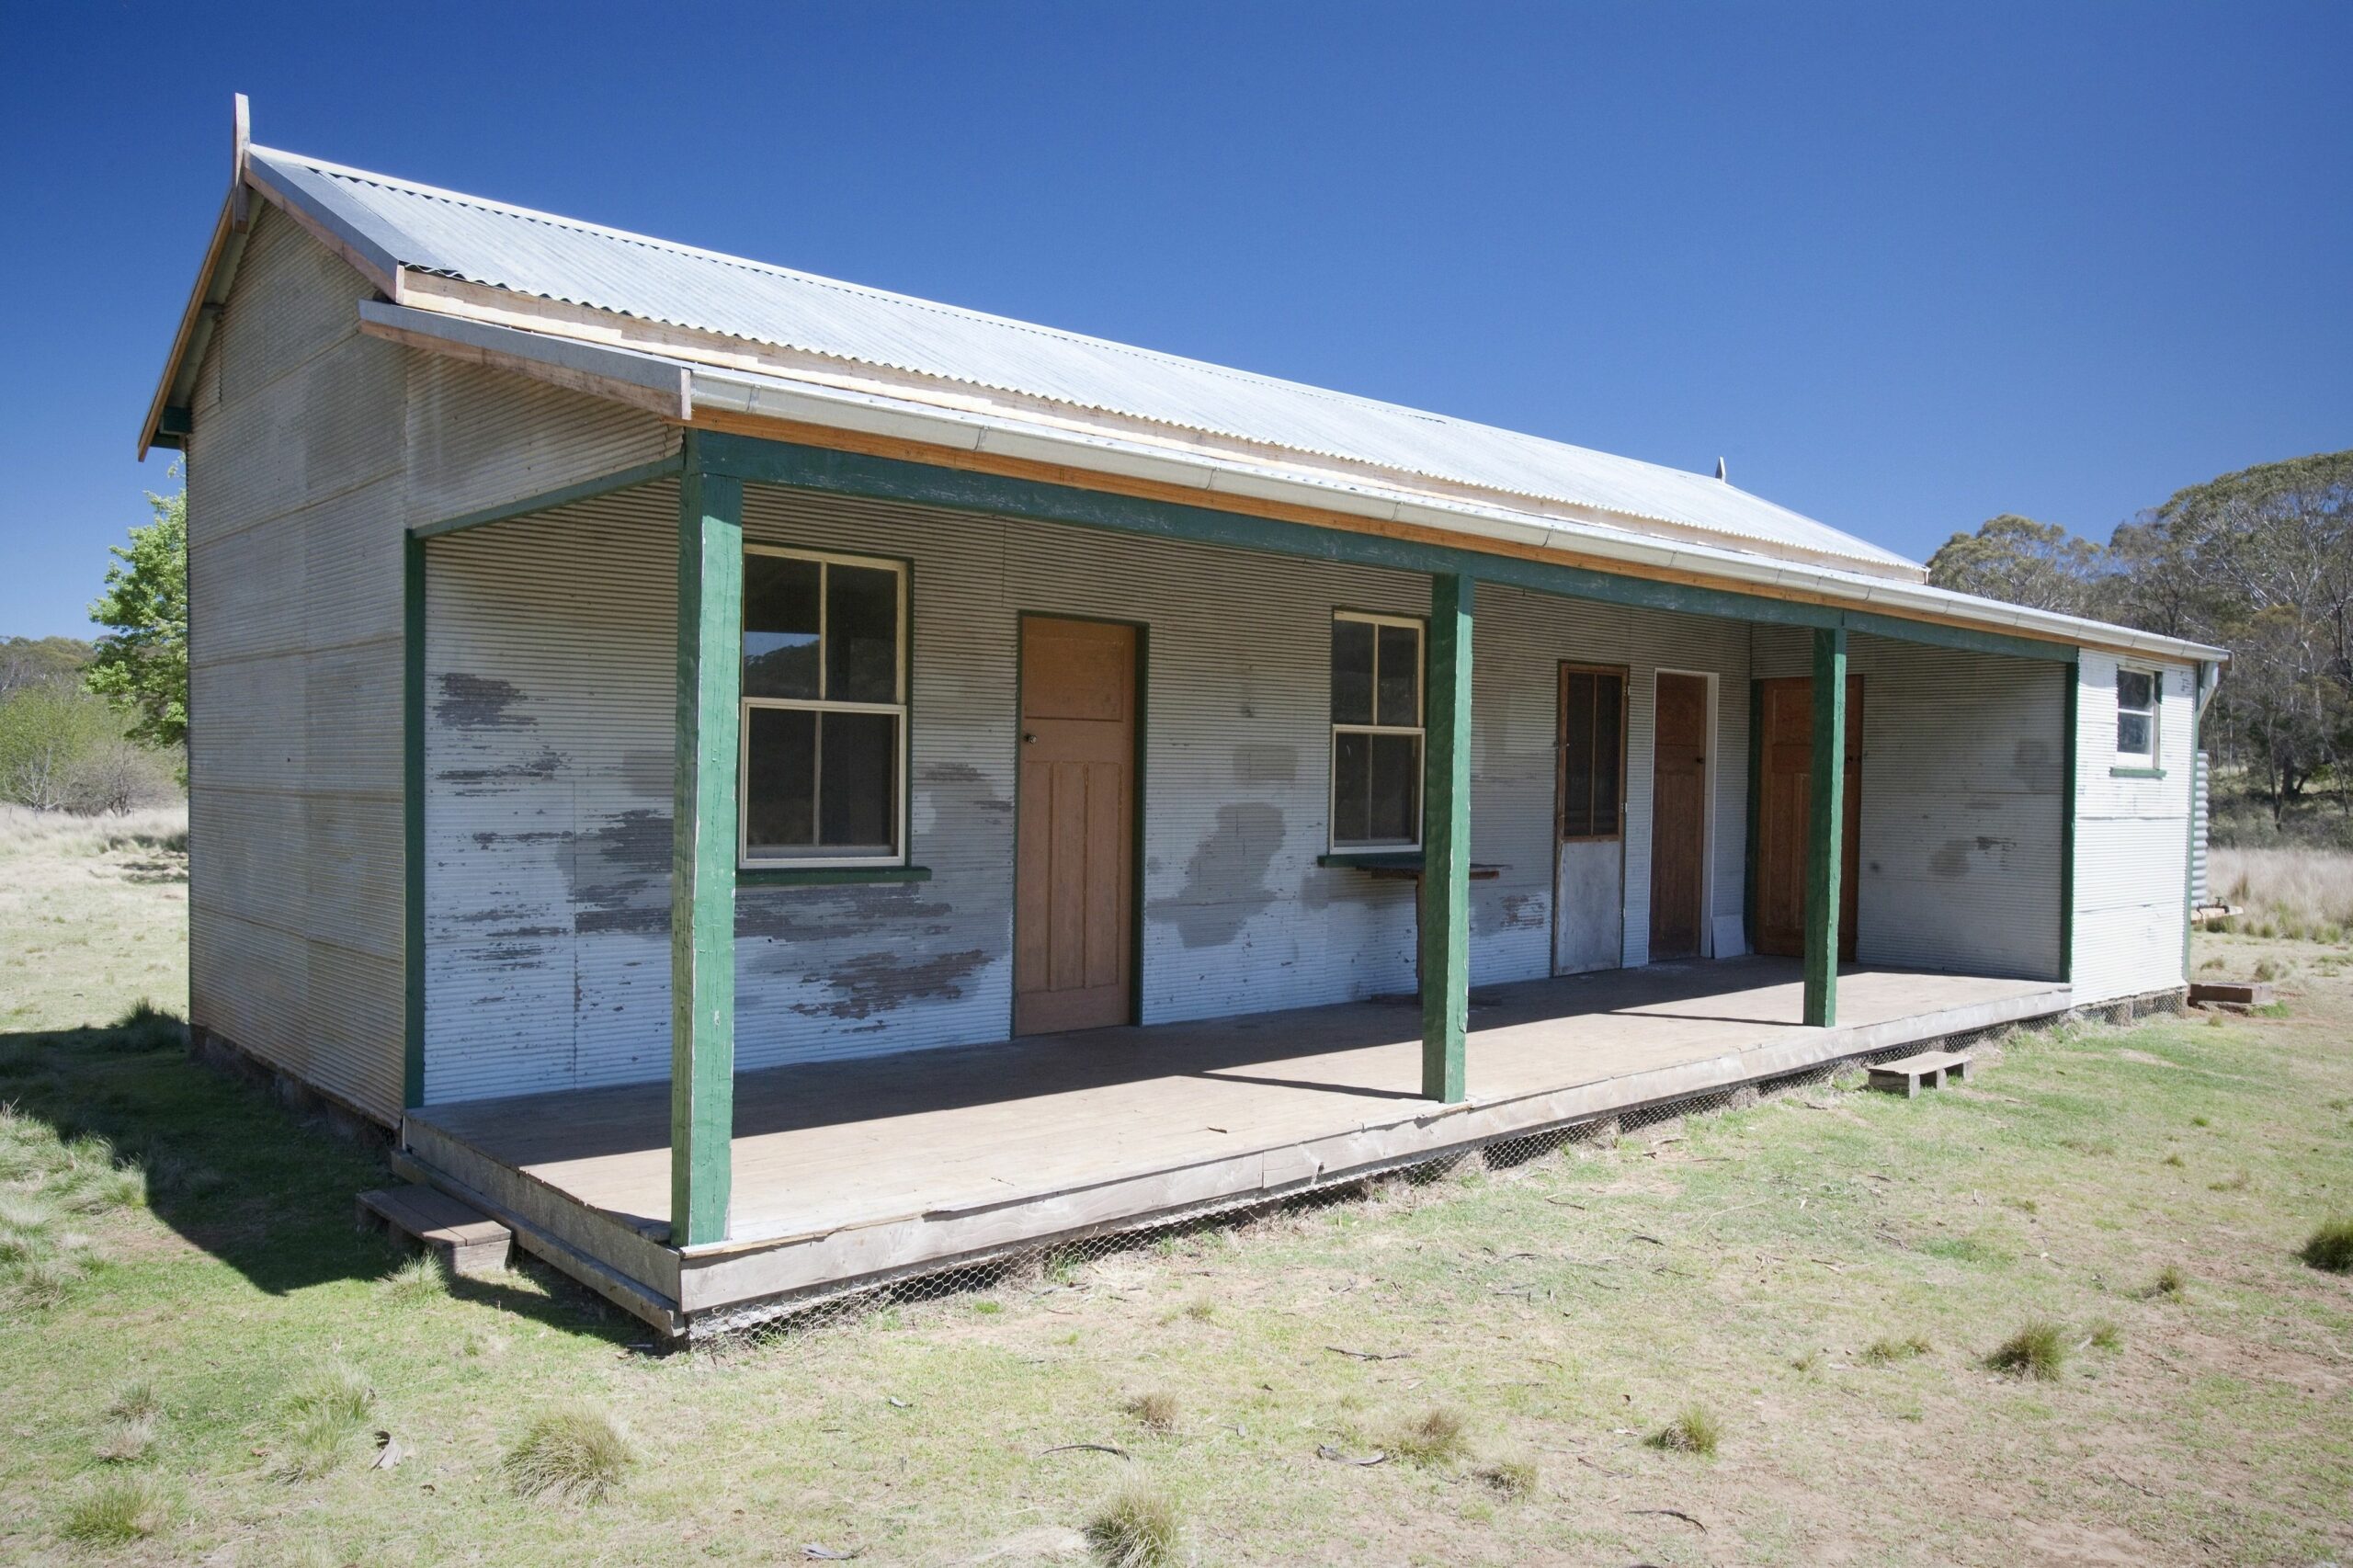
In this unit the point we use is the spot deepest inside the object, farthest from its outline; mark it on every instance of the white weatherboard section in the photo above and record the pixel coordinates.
(549, 759)
(2131, 842)
(315, 446)
(1523, 640)
(1963, 800)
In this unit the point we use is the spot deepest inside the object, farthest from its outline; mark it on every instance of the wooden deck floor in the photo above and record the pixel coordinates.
(1151, 1117)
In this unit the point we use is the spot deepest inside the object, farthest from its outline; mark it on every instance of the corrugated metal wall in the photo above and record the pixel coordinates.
(548, 757)
(2132, 843)
(1963, 770)
(314, 447)
(2200, 828)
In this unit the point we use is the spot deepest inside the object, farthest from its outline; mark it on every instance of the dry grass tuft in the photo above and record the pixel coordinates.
(573, 1450)
(421, 1279)
(2037, 1350)
(130, 1425)
(1438, 1435)
(1154, 1411)
(2237, 1182)
(1692, 1432)
(2170, 1283)
(118, 1509)
(1514, 1476)
(1887, 1352)
(2331, 1247)
(1137, 1529)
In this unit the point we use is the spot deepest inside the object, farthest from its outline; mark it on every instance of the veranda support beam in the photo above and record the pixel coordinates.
(1825, 827)
(702, 865)
(1446, 842)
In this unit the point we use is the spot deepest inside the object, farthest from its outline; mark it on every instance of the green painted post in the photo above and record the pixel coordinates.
(2068, 794)
(1825, 827)
(702, 864)
(1446, 842)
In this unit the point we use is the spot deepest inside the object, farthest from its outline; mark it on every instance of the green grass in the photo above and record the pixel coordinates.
(1692, 1431)
(1888, 1351)
(191, 1241)
(2331, 1247)
(2039, 1349)
(1436, 1436)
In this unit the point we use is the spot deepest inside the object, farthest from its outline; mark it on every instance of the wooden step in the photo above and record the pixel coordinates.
(1907, 1075)
(2232, 993)
(467, 1240)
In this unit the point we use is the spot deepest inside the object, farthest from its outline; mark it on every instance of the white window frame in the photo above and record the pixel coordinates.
(745, 860)
(1418, 730)
(2155, 710)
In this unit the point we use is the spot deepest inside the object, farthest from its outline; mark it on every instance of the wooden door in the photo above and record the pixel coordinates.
(1678, 815)
(1075, 857)
(1785, 786)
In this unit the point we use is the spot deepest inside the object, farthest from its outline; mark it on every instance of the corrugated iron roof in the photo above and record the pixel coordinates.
(562, 259)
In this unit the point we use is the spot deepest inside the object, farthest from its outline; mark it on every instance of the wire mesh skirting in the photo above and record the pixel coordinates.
(1046, 1265)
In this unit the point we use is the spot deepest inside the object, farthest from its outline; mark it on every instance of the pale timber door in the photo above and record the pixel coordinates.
(1678, 815)
(1785, 783)
(1589, 817)
(1073, 917)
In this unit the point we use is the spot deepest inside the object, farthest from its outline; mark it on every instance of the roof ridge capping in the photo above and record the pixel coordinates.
(1516, 464)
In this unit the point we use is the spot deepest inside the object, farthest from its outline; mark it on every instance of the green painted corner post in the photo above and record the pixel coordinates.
(2070, 791)
(702, 865)
(1446, 842)
(1825, 827)
(413, 822)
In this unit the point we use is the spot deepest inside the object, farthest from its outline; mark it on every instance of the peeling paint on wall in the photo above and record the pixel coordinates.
(1225, 880)
(479, 702)
(879, 981)
(619, 874)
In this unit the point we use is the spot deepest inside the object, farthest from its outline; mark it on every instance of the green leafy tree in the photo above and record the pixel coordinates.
(47, 735)
(2021, 562)
(39, 661)
(141, 665)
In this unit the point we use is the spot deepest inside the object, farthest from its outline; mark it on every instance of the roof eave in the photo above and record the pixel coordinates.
(177, 384)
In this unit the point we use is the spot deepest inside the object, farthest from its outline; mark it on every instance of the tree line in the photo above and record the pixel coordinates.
(102, 726)
(2260, 562)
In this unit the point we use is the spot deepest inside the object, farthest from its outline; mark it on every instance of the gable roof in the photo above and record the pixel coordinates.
(401, 226)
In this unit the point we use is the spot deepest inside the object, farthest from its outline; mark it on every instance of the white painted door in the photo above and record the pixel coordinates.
(1589, 821)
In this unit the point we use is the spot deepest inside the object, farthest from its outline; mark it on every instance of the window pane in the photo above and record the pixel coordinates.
(1400, 676)
(1351, 672)
(1396, 803)
(2133, 688)
(862, 634)
(1576, 756)
(779, 795)
(857, 801)
(779, 626)
(1351, 787)
(1609, 708)
(2132, 733)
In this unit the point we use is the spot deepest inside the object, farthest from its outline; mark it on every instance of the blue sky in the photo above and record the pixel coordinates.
(1903, 268)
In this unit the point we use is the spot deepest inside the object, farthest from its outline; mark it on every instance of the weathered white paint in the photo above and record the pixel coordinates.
(2131, 841)
(313, 448)
(1588, 911)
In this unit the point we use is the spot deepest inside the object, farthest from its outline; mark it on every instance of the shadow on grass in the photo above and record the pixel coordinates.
(239, 1174)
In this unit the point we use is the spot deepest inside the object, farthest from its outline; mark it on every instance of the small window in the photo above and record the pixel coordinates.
(1593, 753)
(1375, 733)
(824, 696)
(2137, 693)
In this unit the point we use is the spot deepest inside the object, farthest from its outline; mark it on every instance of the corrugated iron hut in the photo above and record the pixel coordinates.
(766, 784)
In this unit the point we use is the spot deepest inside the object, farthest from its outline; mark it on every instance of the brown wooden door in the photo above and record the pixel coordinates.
(1785, 786)
(1678, 815)
(1074, 874)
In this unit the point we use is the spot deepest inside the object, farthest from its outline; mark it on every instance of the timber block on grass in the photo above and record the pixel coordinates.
(2233, 992)
(1907, 1075)
(468, 1241)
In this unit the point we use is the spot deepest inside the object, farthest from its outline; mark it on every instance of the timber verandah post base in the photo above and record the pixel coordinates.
(1446, 842)
(702, 867)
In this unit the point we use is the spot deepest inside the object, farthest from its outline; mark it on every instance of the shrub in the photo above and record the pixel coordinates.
(1692, 1432)
(2331, 1247)
(573, 1450)
(1137, 1529)
(2037, 1350)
